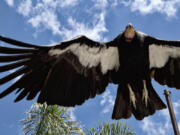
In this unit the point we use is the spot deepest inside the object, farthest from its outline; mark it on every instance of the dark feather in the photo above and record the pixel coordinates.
(33, 92)
(18, 43)
(13, 65)
(169, 74)
(10, 89)
(122, 107)
(6, 50)
(18, 90)
(154, 102)
(22, 94)
(15, 57)
(13, 75)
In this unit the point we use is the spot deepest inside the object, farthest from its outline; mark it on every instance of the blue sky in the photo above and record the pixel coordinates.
(45, 22)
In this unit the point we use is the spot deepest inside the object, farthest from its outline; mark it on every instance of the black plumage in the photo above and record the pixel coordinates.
(73, 71)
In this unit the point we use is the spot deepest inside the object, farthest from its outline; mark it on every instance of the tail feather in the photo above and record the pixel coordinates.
(142, 109)
(123, 108)
(154, 98)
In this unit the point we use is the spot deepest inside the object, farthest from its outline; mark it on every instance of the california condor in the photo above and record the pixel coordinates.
(73, 71)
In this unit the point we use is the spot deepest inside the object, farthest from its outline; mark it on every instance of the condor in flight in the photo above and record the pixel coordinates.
(69, 73)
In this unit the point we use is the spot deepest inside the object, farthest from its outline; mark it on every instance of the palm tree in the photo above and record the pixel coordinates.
(54, 120)
(114, 128)
(49, 120)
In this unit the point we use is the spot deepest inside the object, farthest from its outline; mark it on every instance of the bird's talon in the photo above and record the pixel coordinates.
(145, 93)
(132, 96)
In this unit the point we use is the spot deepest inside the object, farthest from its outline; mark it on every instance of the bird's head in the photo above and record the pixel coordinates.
(129, 33)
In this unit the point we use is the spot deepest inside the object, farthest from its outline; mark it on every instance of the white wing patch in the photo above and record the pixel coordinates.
(159, 55)
(90, 57)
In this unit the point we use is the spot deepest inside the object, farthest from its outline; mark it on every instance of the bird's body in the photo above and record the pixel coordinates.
(133, 59)
(73, 71)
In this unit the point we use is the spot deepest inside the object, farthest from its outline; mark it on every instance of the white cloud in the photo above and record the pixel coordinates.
(167, 7)
(176, 106)
(118, 2)
(107, 102)
(71, 113)
(154, 127)
(93, 32)
(101, 3)
(44, 14)
(47, 19)
(25, 7)
(66, 3)
(10, 2)
(57, 3)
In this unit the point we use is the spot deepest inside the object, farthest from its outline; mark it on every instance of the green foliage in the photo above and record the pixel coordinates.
(110, 129)
(54, 120)
(49, 120)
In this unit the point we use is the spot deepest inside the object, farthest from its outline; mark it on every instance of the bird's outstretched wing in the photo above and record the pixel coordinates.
(65, 74)
(164, 61)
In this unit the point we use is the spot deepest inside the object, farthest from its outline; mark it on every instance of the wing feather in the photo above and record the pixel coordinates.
(164, 61)
(6, 50)
(90, 57)
(14, 58)
(18, 43)
(13, 75)
(65, 74)
(13, 65)
(159, 55)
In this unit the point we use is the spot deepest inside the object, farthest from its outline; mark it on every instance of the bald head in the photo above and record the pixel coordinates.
(129, 33)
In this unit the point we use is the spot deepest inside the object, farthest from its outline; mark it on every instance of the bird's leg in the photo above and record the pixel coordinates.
(131, 96)
(145, 93)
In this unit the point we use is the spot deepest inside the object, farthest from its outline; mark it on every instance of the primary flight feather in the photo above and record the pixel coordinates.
(73, 71)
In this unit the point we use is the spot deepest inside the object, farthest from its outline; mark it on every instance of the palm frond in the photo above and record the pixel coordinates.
(49, 120)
